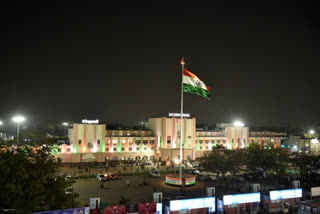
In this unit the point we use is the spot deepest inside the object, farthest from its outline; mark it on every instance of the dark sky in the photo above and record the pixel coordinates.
(122, 65)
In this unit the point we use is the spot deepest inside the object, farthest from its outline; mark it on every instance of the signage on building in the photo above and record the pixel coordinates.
(94, 203)
(179, 115)
(315, 191)
(90, 121)
(157, 197)
(241, 198)
(195, 203)
(284, 194)
(210, 191)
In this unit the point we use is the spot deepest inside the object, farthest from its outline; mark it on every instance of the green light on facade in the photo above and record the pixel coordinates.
(74, 149)
(103, 146)
(198, 146)
(54, 149)
(118, 147)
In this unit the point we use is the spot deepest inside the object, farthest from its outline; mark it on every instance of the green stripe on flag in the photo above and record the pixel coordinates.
(195, 90)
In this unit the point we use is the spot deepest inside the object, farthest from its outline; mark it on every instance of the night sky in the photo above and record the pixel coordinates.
(122, 65)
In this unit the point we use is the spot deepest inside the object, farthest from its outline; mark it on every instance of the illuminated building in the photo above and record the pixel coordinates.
(160, 140)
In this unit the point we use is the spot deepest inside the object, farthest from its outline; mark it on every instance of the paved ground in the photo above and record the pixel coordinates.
(136, 192)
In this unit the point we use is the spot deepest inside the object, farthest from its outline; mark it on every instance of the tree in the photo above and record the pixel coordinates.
(28, 180)
(222, 161)
(123, 201)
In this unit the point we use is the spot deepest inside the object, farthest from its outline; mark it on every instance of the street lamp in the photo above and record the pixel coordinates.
(311, 131)
(65, 124)
(18, 119)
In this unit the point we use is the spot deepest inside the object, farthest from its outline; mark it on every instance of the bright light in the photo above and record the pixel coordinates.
(18, 119)
(65, 123)
(238, 123)
(295, 146)
(1, 122)
(176, 161)
(311, 132)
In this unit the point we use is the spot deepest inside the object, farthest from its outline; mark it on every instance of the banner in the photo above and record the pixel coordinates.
(83, 210)
(146, 208)
(121, 209)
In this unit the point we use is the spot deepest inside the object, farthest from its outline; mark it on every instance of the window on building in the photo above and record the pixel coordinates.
(144, 148)
(200, 147)
(130, 148)
(68, 149)
(189, 137)
(80, 142)
(138, 142)
(152, 148)
(59, 150)
(168, 141)
(98, 142)
(218, 141)
(145, 142)
(223, 141)
(152, 142)
(207, 141)
(122, 149)
(207, 147)
(213, 141)
(201, 141)
(107, 149)
(137, 148)
(238, 140)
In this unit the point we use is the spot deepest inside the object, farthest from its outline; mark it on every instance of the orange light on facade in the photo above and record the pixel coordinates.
(84, 149)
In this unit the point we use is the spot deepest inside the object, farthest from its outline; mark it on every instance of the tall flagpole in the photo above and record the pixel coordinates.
(181, 133)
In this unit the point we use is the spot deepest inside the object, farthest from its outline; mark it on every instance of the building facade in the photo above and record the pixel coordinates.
(161, 140)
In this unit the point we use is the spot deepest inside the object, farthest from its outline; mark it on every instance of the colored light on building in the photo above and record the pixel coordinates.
(118, 147)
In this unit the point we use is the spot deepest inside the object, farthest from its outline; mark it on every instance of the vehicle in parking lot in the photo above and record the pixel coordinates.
(154, 173)
(110, 176)
(101, 177)
(191, 171)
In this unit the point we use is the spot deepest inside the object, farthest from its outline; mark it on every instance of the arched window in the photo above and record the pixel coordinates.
(152, 157)
(137, 157)
(145, 158)
(114, 158)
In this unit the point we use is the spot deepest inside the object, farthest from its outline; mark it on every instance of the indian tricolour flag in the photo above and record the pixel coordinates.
(192, 84)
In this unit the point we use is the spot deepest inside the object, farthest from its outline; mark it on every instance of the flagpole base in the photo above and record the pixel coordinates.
(175, 180)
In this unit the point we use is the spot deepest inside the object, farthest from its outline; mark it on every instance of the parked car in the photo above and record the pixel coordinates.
(110, 176)
(155, 173)
(191, 171)
(101, 177)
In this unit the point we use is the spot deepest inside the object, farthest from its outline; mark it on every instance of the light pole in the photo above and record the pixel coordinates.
(18, 120)
(65, 124)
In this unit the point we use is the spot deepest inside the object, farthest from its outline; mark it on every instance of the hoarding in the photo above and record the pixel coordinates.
(315, 191)
(195, 203)
(83, 210)
(284, 194)
(241, 198)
